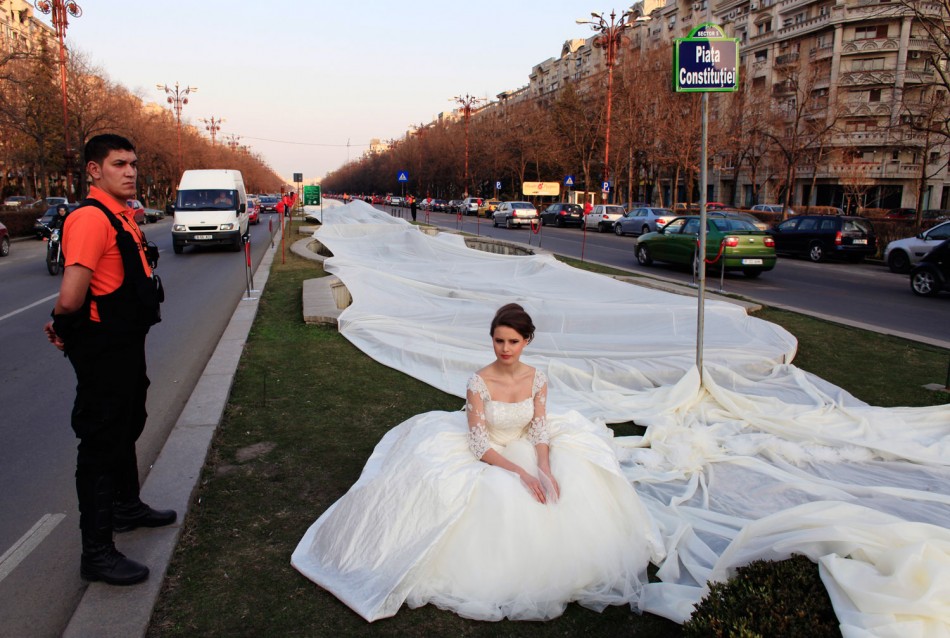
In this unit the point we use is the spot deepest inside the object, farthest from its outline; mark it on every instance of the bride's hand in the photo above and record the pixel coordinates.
(533, 485)
(549, 483)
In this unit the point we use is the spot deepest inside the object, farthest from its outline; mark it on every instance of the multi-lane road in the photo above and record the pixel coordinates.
(866, 294)
(39, 534)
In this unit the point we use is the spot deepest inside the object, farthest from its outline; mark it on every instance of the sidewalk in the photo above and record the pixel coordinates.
(123, 612)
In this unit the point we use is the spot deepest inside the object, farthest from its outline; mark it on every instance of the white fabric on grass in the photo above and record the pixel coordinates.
(762, 460)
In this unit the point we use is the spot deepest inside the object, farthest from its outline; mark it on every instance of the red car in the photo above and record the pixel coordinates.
(4, 241)
(138, 210)
(253, 212)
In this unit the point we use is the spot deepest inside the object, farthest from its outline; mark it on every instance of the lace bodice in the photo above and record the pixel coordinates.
(499, 423)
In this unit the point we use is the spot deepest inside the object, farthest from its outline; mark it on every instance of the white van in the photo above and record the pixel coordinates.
(210, 209)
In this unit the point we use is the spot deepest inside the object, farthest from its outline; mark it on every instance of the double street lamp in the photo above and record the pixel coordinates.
(467, 102)
(177, 97)
(212, 126)
(611, 35)
(61, 10)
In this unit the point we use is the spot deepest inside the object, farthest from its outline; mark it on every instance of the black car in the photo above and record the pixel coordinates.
(268, 203)
(562, 215)
(932, 274)
(820, 237)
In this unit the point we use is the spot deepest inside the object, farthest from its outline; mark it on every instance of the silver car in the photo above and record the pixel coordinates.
(603, 216)
(511, 214)
(640, 221)
(902, 254)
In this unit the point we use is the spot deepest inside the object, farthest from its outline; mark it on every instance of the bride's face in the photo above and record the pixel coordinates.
(508, 345)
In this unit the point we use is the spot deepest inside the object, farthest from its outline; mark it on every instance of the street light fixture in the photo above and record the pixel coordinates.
(611, 35)
(467, 102)
(232, 141)
(61, 10)
(177, 97)
(212, 126)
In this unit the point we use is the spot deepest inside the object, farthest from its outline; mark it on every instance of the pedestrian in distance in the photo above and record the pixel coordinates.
(108, 300)
(412, 207)
(289, 200)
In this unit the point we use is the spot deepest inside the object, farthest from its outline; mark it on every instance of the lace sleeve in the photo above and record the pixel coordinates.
(538, 427)
(475, 396)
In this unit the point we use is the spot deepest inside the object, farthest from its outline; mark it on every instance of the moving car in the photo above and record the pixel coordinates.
(210, 209)
(643, 220)
(562, 214)
(253, 211)
(932, 274)
(819, 237)
(486, 208)
(268, 204)
(511, 214)
(4, 241)
(138, 211)
(153, 215)
(18, 201)
(902, 254)
(603, 216)
(733, 244)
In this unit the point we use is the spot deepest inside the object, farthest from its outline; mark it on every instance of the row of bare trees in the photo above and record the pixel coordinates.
(32, 149)
(766, 136)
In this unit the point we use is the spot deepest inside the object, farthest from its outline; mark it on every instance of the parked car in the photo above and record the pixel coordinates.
(603, 216)
(46, 202)
(41, 225)
(738, 214)
(936, 213)
(153, 215)
(772, 208)
(744, 247)
(902, 254)
(487, 207)
(454, 206)
(511, 214)
(932, 274)
(819, 237)
(470, 205)
(396, 200)
(18, 201)
(138, 211)
(562, 214)
(439, 205)
(268, 204)
(4, 241)
(643, 220)
(901, 213)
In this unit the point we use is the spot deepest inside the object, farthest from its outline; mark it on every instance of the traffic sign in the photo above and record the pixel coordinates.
(311, 195)
(497, 186)
(569, 180)
(706, 61)
(403, 176)
(605, 186)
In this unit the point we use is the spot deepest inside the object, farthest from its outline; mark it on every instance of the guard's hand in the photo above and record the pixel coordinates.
(52, 336)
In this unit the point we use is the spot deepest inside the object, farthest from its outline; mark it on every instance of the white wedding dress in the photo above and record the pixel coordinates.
(427, 522)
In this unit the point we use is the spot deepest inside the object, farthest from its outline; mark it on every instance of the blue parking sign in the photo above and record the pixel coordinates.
(605, 187)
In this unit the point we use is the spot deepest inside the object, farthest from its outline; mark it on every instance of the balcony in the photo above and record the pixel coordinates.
(804, 26)
(870, 45)
(869, 170)
(869, 78)
(789, 5)
(786, 59)
(822, 52)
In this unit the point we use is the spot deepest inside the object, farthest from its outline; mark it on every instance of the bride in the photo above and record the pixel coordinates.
(502, 511)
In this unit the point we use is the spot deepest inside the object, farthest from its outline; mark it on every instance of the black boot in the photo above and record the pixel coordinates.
(133, 513)
(100, 559)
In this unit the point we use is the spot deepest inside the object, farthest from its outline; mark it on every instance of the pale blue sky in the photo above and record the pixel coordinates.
(323, 72)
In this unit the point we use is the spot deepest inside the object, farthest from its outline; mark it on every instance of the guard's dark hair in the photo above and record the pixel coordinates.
(514, 316)
(97, 149)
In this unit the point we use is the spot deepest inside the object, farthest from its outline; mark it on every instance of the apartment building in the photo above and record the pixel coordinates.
(20, 30)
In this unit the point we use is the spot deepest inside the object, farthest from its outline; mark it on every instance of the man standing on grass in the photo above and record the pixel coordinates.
(108, 300)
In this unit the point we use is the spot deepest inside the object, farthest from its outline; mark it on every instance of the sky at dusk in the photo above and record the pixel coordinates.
(299, 80)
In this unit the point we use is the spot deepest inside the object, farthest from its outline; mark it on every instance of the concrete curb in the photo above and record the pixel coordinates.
(122, 612)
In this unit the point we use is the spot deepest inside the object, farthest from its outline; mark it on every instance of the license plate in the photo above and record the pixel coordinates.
(200, 237)
(862, 242)
(751, 262)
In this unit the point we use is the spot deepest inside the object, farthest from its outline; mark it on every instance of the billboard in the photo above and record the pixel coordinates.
(541, 188)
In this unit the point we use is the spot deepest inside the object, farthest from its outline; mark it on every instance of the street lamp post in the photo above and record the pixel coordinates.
(61, 10)
(232, 141)
(611, 34)
(177, 97)
(467, 102)
(212, 126)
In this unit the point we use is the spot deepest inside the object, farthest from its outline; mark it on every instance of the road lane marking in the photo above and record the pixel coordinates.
(32, 305)
(27, 543)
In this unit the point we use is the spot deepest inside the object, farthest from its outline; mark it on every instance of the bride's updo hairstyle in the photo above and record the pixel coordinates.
(514, 316)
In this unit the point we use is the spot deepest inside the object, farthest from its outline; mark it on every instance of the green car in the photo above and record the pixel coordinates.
(734, 244)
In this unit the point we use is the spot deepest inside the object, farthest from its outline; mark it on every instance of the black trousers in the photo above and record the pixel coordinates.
(109, 412)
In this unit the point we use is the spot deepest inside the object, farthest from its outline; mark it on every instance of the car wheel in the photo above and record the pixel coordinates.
(178, 248)
(816, 253)
(494, 221)
(751, 273)
(925, 282)
(601, 228)
(898, 261)
(508, 223)
(618, 230)
(643, 256)
(644, 230)
(559, 222)
(543, 223)
(4, 247)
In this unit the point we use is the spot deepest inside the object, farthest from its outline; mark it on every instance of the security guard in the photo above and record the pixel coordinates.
(108, 299)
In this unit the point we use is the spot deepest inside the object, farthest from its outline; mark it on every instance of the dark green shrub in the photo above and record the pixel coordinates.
(767, 599)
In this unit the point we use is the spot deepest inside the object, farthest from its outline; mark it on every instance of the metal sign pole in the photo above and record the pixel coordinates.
(701, 261)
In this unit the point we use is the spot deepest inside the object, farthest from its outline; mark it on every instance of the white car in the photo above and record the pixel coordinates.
(511, 214)
(771, 208)
(603, 216)
(903, 254)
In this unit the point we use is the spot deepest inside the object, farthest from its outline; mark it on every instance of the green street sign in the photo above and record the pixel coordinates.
(311, 195)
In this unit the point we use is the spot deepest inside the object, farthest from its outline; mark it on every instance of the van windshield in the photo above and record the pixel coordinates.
(206, 199)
